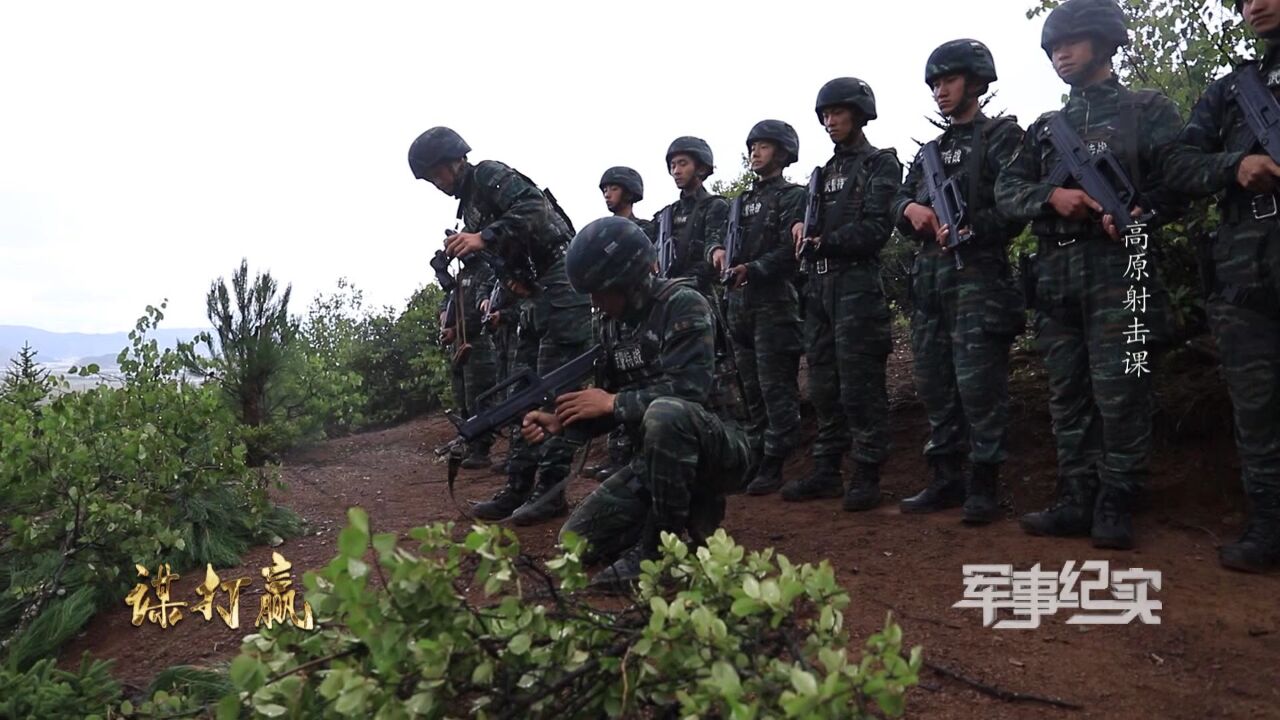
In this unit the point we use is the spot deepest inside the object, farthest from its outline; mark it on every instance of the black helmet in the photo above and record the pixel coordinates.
(627, 179)
(433, 147)
(697, 148)
(779, 133)
(611, 252)
(961, 57)
(1102, 20)
(847, 91)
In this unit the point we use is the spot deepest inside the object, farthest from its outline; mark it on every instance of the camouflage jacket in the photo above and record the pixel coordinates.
(977, 174)
(1216, 138)
(1135, 126)
(513, 216)
(857, 224)
(768, 210)
(665, 348)
(698, 220)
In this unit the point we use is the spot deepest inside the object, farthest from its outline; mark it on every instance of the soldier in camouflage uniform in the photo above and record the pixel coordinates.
(764, 313)
(505, 213)
(698, 217)
(501, 314)
(659, 380)
(963, 320)
(622, 188)
(847, 332)
(1101, 409)
(480, 370)
(1217, 152)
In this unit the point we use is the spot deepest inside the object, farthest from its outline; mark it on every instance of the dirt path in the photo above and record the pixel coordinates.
(1215, 654)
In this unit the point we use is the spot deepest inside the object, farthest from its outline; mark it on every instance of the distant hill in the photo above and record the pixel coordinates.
(56, 347)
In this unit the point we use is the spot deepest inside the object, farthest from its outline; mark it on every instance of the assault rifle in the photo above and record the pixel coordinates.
(1101, 176)
(497, 303)
(732, 241)
(528, 391)
(812, 211)
(1261, 111)
(947, 199)
(454, 309)
(666, 243)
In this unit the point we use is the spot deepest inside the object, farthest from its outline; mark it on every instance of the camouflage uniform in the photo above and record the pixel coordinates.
(847, 325)
(516, 219)
(698, 221)
(680, 416)
(1244, 297)
(480, 371)
(1101, 413)
(764, 315)
(963, 320)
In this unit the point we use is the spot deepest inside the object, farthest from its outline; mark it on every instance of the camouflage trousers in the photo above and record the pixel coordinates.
(847, 344)
(688, 460)
(1101, 407)
(477, 375)
(555, 327)
(962, 323)
(767, 344)
(1244, 312)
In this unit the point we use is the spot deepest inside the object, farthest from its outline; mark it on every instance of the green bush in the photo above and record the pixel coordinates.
(97, 481)
(474, 628)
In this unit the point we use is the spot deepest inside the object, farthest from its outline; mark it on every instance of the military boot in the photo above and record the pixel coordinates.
(864, 489)
(626, 569)
(768, 478)
(823, 482)
(1113, 519)
(980, 504)
(1071, 513)
(477, 458)
(946, 490)
(510, 497)
(546, 502)
(1258, 550)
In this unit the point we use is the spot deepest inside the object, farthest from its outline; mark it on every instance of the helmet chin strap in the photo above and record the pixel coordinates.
(1098, 60)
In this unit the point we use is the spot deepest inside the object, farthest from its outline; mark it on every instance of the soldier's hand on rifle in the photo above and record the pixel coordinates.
(463, 243)
(717, 259)
(923, 219)
(797, 234)
(941, 236)
(583, 405)
(1109, 224)
(447, 336)
(1073, 204)
(737, 276)
(484, 306)
(1257, 173)
(538, 425)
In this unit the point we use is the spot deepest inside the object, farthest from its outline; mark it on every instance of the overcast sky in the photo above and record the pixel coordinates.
(146, 147)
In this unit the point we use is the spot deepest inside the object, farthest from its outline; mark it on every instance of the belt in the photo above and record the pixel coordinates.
(1246, 207)
(822, 266)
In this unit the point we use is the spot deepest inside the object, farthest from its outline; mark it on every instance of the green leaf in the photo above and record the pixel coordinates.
(271, 709)
(519, 644)
(359, 519)
(742, 607)
(751, 587)
(352, 543)
(385, 543)
(803, 681)
(247, 673)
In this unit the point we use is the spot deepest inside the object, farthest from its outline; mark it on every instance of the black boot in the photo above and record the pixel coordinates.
(1113, 519)
(1258, 550)
(768, 478)
(823, 482)
(477, 458)
(864, 490)
(946, 490)
(546, 502)
(626, 569)
(510, 497)
(1070, 515)
(980, 504)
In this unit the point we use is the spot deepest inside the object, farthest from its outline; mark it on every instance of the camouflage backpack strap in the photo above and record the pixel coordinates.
(978, 154)
(551, 200)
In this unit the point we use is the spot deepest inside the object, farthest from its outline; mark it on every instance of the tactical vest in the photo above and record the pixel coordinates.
(633, 357)
(844, 190)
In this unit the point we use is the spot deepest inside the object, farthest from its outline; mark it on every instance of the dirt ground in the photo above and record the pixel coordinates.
(1215, 653)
